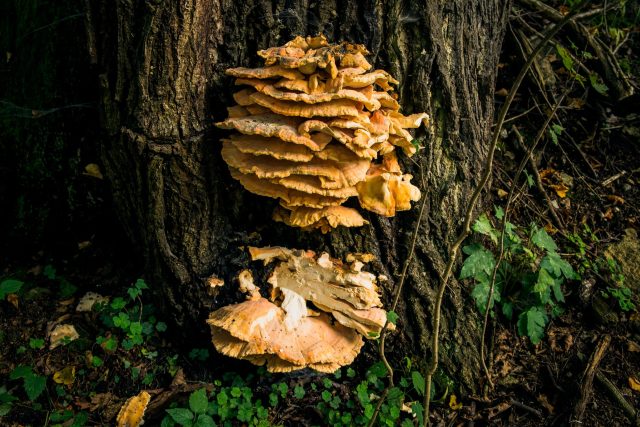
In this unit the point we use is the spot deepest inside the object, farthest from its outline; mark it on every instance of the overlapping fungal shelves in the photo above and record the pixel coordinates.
(315, 126)
(316, 314)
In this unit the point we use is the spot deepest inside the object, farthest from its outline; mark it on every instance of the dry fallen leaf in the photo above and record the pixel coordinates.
(544, 401)
(14, 300)
(502, 92)
(560, 189)
(633, 347)
(634, 384)
(62, 334)
(502, 193)
(65, 376)
(617, 200)
(132, 411)
(89, 300)
(93, 170)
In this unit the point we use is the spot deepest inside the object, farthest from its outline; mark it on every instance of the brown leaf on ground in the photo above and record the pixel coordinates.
(544, 401)
(560, 339)
(617, 200)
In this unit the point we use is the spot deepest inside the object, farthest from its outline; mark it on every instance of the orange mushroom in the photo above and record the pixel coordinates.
(312, 124)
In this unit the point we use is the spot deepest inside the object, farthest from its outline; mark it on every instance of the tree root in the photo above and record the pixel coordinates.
(586, 388)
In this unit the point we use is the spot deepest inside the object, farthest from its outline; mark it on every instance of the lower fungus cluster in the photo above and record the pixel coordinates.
(315, 126)
(317, 313)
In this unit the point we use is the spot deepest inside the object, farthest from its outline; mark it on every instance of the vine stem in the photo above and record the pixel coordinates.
(466, 227)
(396, 299)
(503, 224)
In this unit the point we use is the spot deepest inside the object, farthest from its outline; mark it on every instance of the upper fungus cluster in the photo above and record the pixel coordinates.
(315, 126)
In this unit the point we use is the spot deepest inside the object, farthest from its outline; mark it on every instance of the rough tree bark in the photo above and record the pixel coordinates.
(163, 86)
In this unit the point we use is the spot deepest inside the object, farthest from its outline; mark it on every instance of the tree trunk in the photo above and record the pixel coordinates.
(163, 87)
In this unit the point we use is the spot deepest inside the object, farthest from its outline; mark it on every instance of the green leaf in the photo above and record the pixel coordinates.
(557, 290)
(567, 60)
(118, 303)
(21, 372)
(34, 386)
(9, 286)
(544, 282)
(161, 326)
(480, 260)
(36, 343)
(498, 212)
(135, 328)
(418, 382)
(530, 180)
(141, 284)
(298, 392)
(49, 272)
(541, 239)
(553, 263)
(204, 421)
(198, 401)
(392, 317)
(133, 293)
(182, 416)
(598, 85)
(167, 421)
(66, 288)
(377, 370)
(507, 310)
(480, 294)
(222, 398)
(5, 408)
(418, 409)
(326, 395)
(122, 320)
(483, 226)
(532, 323)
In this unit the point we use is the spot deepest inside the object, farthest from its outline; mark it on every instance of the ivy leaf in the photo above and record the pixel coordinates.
(198, 401)
(483, 226)
(597, 84)
(182, 416)
(480, 260)
(480, 293)
(554, 263)
(418, 409)
(34, 386)
(299, 392)
(392, 317)
(567, 60)
(557, 290)
(532, 323)
(21, 372)
(507, 310)
(9, 286)
(418, 382)
(541, 239)
(205, 421)
(5, 408)
(543, 285)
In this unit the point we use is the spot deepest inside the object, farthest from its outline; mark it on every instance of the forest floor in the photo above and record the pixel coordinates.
(79, 335)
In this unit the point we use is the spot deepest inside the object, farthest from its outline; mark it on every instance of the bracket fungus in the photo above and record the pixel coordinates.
(317, 126)
(315, 317)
